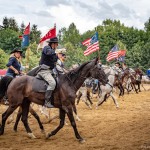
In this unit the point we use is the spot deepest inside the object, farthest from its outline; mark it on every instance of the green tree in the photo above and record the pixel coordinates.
(35, 34)
(9, 40)
(147, 25)
(3, 59)
(10, 23)
(22, 27)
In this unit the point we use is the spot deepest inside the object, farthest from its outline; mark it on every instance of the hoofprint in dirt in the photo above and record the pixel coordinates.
(105, 128)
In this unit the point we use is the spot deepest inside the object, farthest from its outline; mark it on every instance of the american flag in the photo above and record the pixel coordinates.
(92, 44)
(113, 53)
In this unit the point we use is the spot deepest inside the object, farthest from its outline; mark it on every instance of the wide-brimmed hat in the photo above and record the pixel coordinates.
(60, 51)
(53, 40)
(16, 50)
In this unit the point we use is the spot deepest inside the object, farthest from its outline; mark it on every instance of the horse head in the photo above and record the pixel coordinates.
(97, 72)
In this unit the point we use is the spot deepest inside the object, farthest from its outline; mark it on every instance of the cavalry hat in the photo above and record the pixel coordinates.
(53, 40)
(60, 50)
(117, 62)
(16, 50)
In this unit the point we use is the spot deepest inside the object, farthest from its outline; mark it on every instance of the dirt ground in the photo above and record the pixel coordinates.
(107, 128)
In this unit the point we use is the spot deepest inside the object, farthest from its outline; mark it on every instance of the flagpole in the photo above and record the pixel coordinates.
(27, 57)
(98, 52)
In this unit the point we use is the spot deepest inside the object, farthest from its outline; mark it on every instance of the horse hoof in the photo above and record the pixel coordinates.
(81, 141)
(47, 136)
(31, 135)
(43, 131)
(15, 130)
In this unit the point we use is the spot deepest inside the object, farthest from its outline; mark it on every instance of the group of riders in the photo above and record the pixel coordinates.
(51, 62)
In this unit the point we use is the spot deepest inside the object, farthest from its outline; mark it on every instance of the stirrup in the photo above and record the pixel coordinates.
(49, 105)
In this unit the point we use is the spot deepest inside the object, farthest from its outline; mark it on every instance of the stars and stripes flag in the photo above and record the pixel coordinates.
(113, 53)
(92, 44)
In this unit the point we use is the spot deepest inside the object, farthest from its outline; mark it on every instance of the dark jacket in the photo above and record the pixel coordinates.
(48, 57)
(15, 63)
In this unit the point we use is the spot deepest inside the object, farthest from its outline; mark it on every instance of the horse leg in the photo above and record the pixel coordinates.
(62, 114)
(18, 118)
(135, 88)
(78, 97)
(88, 97)
(101, 100)
(75, 111)
(73, 123)
(115, 101)
(24, 119)
(143, 86)
(5, 115)
(139, 87)
(36, 116)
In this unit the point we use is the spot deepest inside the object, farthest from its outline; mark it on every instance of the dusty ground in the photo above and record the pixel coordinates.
(103, 129)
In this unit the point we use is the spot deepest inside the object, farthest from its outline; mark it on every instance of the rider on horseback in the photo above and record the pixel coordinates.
(14, 65)
(48, 63)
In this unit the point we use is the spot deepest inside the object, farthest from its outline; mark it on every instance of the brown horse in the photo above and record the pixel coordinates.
(20, 93)
(4, 82)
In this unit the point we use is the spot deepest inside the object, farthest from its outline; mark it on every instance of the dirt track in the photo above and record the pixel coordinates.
(103, 129)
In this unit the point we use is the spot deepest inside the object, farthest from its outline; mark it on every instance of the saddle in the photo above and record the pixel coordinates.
(39, 85)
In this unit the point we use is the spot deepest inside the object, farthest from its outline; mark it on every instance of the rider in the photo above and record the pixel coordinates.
(48, 63)
(124, 66)
(61, 59)
(14, 64)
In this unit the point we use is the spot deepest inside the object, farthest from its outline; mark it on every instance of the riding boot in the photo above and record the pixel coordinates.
(48, 95)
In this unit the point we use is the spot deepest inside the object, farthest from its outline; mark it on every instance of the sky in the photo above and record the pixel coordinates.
(86, 14)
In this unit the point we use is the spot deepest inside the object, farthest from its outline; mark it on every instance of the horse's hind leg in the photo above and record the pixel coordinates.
(24, 119)
(37, 118)
(18, 118)
(5, 115)
(78, 97)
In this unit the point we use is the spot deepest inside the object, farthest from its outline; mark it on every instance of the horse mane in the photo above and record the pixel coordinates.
(4, 82)
(74, 73)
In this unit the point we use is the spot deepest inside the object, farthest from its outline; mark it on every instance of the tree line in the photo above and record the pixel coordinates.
(111, 32)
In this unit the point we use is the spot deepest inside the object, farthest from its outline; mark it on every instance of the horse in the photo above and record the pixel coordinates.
(20, 93)
(84, 93)
(107, 90)
(4, 82)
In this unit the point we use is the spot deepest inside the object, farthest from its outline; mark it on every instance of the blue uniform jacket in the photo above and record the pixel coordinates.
(15, 63)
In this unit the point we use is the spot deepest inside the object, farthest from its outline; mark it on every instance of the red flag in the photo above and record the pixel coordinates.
(20, 37)
(121, 53)
(51, 34)
(27, 30)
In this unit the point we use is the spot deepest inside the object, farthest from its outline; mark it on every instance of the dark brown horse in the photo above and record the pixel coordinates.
(20, 93)
(4, 82)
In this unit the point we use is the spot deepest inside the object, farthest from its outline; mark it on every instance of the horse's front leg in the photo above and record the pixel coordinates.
(62, 114)
(73, 123)
(101, 99)
(114, 99)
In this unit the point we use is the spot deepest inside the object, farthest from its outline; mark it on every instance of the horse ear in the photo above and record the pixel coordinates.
(96, 60)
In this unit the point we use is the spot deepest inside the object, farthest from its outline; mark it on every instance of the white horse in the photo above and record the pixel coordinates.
(107, 90)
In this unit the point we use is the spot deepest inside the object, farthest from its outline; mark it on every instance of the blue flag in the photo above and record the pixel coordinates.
(25, 38)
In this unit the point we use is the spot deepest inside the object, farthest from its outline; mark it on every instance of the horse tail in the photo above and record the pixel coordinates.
(4, 82)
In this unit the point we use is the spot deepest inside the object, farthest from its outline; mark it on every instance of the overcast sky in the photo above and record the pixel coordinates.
(86, 14)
